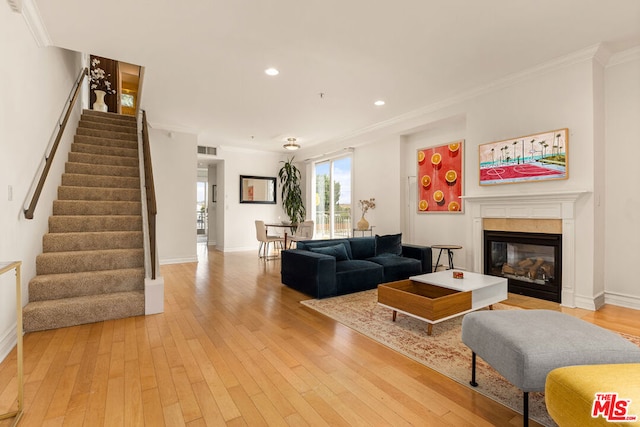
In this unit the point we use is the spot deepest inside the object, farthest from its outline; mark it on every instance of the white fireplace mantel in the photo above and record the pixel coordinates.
(555, 205)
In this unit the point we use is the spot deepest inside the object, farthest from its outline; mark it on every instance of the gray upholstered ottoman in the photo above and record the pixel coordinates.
(525, 345)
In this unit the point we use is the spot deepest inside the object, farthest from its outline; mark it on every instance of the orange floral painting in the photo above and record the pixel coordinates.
(440, 178)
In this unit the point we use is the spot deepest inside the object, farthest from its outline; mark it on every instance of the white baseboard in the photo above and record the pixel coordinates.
(622, 300)
(153, 296)
(241, 249)
(8, 342)
(587, 303)
(178, 260)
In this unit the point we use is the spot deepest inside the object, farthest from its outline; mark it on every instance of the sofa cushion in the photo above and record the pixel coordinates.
(362, 247)
(357, 275)
(397, 267)
(389, 244)
(308, 244)
(338, 251)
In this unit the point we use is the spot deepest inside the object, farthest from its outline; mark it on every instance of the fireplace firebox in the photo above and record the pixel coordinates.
(532, 262)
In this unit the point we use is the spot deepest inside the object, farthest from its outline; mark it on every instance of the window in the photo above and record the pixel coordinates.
(127, 100)
(332, 209)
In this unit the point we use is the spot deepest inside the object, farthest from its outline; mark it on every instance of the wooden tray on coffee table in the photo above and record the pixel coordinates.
(436, 297)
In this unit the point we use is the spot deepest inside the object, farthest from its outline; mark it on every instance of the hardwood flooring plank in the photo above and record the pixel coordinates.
(215, 385)
(133, 404)
(188, 402)
(153, 410)
(97, 403)
(210, 412)
(60, 400)
(167, 391)
(251, 416)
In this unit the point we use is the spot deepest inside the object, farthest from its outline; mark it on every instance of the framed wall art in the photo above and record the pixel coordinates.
(538, 157)
(440, 173)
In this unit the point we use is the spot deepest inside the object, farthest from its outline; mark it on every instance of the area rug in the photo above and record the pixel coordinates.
(443, 351)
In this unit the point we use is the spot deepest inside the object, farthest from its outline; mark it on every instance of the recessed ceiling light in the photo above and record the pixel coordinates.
(379, 103)
(271, 72)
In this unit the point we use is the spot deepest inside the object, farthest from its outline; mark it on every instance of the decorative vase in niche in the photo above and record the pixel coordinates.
(99, 105)
(363, 224)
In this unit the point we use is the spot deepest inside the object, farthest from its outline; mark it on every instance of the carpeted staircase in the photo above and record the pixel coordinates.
(92, 265)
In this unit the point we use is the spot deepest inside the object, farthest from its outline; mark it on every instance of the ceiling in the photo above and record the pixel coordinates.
(205, 59)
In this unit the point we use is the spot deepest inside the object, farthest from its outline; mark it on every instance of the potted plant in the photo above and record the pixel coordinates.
(365, 205)
(292, 202)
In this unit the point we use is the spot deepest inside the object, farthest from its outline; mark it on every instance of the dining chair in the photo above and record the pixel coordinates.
(265, 240)
(304, 231)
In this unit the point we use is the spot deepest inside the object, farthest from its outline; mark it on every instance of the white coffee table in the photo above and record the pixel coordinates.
(436, 297)
(485, 290)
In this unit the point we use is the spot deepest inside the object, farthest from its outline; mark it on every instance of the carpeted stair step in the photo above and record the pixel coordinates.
(106, 134)
(106, 142)
(105, 170)
(112, 127)
(83, 223)
(70, 285)
(60, 313)
(96, 207)
(91, 240)
(77, 261)
(104, 151)
(79, 180)
(103, 160)
(103, 117)
(98, 193)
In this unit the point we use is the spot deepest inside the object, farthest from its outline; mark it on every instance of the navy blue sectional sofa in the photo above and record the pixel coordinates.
(326, 268)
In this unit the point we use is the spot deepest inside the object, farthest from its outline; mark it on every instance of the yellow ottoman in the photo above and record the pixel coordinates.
(570, 393)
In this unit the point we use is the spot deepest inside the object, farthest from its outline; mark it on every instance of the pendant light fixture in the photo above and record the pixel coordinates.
(291, 144)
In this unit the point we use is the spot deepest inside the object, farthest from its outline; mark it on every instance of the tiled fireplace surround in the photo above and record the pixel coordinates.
(539, 213)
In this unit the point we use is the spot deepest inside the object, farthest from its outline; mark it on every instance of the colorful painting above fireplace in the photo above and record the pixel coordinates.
(538, 157)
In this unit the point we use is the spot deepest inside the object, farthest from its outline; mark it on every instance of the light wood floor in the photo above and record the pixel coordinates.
(235, 347)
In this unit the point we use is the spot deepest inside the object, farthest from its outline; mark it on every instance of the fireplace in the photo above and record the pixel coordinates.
(531, 208)
(532, 262)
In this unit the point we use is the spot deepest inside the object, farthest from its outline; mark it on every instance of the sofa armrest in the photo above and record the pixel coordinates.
(421, 253)
(309, 272)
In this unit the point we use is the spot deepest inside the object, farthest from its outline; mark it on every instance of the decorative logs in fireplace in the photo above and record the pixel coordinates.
(530, 261)
(530, 269)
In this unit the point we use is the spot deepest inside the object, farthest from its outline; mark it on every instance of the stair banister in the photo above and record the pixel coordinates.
(53, 145)
(152, 209)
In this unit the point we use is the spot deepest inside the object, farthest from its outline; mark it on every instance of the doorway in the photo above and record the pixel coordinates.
(333, 204)
(202, 205)
(124, 81)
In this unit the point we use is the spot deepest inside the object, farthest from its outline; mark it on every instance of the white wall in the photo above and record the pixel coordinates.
(34, 85)
(239, 218)
(434, 228)
(376, 174)
(175, 173)
(622, 203)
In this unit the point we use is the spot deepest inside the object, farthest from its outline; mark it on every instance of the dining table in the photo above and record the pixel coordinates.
(281, 225)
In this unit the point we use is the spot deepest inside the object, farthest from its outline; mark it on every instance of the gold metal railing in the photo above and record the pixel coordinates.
(152, 209)
(50, 153)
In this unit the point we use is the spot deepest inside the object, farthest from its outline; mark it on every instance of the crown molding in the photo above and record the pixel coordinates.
(602, 55)
(628, 55)
(577, 57)
(34, 21)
